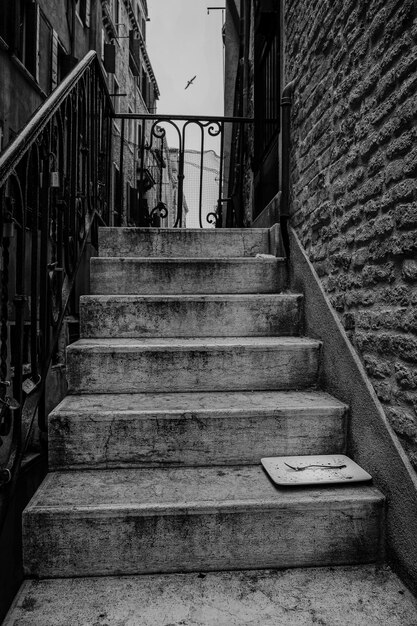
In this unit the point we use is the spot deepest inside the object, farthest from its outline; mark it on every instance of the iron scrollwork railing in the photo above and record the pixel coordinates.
(185, 169)
(54, 185)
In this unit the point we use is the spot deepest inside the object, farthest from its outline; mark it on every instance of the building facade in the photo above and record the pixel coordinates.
(41, 41)
(352, 166)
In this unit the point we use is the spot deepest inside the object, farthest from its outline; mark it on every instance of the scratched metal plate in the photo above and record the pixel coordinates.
(300, 470)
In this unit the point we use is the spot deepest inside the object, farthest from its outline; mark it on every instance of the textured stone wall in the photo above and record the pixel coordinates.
(354, 188)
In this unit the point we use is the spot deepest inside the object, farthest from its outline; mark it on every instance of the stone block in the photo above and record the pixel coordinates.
(193, 519)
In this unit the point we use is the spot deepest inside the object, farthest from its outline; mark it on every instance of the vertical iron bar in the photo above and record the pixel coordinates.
(121, 165)
(43, 279)
(200, 199)
(34, 285)
(220, 200)
(161, 169)
(178, 221)
(109, 147)
(142, 173)
(19, 304)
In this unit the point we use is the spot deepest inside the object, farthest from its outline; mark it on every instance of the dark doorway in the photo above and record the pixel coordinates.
(267, 101)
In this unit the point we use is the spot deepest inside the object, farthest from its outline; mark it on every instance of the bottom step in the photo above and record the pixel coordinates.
(218, 518)
(361, 596)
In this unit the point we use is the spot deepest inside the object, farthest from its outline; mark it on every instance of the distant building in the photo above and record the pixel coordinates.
(201, 187)
(41, 41)
(134, 89)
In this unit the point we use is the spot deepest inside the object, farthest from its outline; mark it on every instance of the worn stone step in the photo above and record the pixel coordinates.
(192, 519)
(358, 595)
(185, 429)
(147, 276)
(186, 242)
(190, 316)
(202, 364)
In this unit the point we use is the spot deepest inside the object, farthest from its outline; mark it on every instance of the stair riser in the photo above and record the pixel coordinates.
(123, 542)
(213, 243)
(104, 316)
(146, 277)
(246, 368)
(190, 439)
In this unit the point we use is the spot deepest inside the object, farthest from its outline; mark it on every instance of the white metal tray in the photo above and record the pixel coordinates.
(314, 470)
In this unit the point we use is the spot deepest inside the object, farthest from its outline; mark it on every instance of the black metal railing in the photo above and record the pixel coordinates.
(54, 191)
(184, 171)
(77, 164)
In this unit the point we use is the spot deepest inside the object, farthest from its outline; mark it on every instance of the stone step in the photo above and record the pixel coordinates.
(358, 595)
(186, 429)
(202, 364)
(147, 276)
(190, 316)
(187, 242)
(94, 523)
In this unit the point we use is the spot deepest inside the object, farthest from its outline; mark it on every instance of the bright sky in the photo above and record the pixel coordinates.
(183, 41)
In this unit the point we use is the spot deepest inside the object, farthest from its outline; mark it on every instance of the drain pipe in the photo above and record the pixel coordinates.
(286, 102)
(245, 16)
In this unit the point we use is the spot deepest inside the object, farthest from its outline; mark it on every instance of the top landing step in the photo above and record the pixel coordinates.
(189, 242)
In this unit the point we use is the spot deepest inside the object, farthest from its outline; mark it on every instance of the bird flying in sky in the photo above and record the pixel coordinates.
(190, 82)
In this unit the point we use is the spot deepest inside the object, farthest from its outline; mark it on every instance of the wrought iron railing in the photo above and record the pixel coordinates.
(77, 164)
(184, 171)
(54, 190)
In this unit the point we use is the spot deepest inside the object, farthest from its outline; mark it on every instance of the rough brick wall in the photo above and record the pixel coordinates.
(354, 188)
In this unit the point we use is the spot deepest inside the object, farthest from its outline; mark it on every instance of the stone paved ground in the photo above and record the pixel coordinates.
(336, 596)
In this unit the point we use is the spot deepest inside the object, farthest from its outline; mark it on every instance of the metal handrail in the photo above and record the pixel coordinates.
(179, 118)
(198, 200)
(13, 153)
(54, 189)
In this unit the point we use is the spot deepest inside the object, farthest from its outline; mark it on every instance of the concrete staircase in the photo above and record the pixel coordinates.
(191, 367)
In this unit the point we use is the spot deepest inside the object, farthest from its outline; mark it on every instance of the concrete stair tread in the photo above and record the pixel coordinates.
(171, 491)
(358, 595)
(129, 344)
(186, 297)
(203, 402)
(266, 259)
(156, 520)
(150, 364)
(190, 241)
(192, 428)
(150, 275)
(204, 232)
(177, 315)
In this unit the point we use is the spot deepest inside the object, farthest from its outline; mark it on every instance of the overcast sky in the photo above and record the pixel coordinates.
(183, 41)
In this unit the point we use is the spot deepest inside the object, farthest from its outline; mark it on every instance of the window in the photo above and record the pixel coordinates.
(116, 11)
(134, 52)
(141, 19)
(132, 130)
(144, 87)
(117, 196)
(116, 91)
(44, 54)
(27, 34)
(83, 11)
(6, 24)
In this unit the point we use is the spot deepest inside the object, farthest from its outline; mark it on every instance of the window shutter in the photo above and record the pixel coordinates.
(134, 49)
(54, 63)
(109, 58)
(87, 12)
(31, 39)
